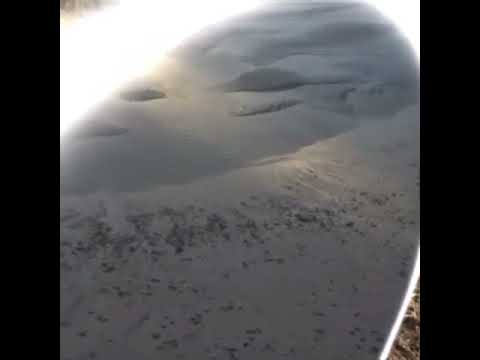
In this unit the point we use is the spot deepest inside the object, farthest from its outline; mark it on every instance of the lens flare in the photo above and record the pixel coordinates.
(405, 15)
(103, 50)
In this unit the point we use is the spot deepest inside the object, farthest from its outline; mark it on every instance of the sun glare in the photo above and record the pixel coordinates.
(406, 16)
(103, 50)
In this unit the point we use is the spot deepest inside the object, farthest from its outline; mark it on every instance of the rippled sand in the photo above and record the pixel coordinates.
(190, 232)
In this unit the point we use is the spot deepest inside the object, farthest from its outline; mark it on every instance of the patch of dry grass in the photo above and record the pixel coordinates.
(407, 346)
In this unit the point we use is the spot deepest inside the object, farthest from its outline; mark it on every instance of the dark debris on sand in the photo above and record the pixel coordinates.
(185, 230)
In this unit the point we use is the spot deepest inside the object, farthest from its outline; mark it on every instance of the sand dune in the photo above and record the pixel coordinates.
(186, 232)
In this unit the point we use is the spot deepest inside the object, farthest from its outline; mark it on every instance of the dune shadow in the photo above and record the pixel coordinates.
(152, 154)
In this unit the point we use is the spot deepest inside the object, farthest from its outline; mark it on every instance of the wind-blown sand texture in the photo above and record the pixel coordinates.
(216, 222)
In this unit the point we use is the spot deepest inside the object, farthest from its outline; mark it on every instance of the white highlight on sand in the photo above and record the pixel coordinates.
(405, 14)
(102, 51)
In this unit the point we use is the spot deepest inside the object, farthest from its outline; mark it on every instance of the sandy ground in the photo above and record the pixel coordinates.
(240, 210)
(200, 251)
